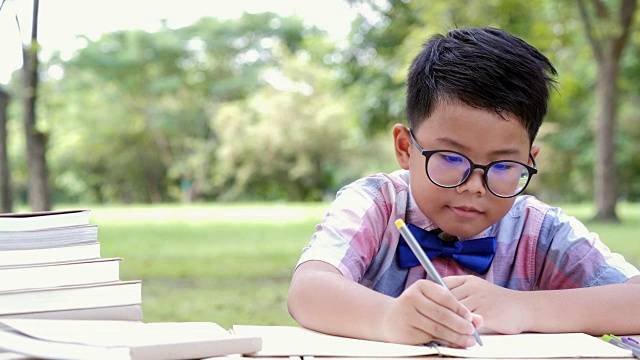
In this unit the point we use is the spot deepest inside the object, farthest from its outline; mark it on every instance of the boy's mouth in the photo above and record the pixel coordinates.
(465, 211)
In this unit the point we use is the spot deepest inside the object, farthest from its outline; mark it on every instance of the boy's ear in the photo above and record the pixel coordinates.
(402, 145)
(535, 150)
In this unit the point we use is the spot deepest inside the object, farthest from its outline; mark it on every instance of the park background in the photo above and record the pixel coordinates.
(209, 151)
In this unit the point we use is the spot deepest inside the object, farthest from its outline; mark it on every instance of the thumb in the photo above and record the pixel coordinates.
(477, 320)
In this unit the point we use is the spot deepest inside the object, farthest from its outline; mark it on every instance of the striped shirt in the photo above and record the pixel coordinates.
(539, 247)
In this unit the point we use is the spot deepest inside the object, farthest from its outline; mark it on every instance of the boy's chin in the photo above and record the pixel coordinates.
(462, 232)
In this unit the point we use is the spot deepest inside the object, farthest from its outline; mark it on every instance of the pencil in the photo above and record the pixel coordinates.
(424, 260)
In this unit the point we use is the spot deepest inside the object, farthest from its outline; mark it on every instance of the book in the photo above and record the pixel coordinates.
(43, 220)
(50, 255)
(115, 293)
(14, 356)
(50, 237)
(51, 268)
(59, 274)
(278, 341)
(124, 312)
(87, 339)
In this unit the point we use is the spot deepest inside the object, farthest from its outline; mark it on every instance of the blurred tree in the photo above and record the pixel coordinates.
(138, 105)
(6, 198)
(607, 27)
(285, 141)
(628, 129)
(388, 34)
(36, 139)
(628, 148)
(566, 159)
(221, 109)
(375, 65)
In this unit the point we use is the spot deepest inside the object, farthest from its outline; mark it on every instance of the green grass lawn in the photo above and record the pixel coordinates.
(623, 237)
(229, 264)
(232, 264)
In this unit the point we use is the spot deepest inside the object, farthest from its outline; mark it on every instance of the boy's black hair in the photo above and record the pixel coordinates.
(485, 68)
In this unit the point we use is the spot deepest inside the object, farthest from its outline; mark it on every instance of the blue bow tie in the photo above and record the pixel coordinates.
(476, 255)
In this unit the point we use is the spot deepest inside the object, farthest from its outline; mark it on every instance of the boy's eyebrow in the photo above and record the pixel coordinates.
(464, 148)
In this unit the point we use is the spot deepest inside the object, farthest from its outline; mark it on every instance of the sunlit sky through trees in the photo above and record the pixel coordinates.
(61, 21)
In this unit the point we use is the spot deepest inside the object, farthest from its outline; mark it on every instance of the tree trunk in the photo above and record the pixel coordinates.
(607, 46)
(605, 168)
(6, 199)
(36, 140)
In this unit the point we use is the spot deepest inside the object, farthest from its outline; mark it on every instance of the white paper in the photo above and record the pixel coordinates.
(291, 340)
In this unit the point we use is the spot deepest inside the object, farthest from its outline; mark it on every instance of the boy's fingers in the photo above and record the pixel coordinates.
(478, 321)
(460, 292)
(445, 334)
(444, 317)
(454, 281)
(445, 298)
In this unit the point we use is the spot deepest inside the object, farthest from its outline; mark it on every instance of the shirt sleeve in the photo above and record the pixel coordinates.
(349, 236)
(571, 256)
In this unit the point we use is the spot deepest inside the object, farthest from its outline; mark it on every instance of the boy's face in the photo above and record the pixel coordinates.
(483, 136)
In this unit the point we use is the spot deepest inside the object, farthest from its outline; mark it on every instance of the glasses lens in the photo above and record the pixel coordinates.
(448, 169)
(507, 178)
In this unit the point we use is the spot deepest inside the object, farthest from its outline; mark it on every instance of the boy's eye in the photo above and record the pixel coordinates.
(502, 166)
(451, 158)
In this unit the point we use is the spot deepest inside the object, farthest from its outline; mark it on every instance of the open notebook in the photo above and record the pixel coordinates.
(105, 339)
(295, 341)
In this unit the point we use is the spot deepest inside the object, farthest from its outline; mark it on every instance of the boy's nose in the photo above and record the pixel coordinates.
(474, 183)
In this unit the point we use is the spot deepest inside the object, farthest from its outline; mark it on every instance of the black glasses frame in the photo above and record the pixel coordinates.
(429, 153)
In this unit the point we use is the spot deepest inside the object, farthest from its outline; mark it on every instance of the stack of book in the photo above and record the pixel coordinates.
(59, 299)
(51, 268)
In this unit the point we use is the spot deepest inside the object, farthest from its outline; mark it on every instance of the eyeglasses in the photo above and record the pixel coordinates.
(449, 169)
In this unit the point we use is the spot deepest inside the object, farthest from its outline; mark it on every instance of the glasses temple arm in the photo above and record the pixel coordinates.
(533, 160)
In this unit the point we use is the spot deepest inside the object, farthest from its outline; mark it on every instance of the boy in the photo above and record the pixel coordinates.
(475, 101)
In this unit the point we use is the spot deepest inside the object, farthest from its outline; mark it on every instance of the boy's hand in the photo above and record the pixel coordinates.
(502, 309)
(427, 312)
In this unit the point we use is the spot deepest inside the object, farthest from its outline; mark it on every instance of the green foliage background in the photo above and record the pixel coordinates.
(264, 107)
